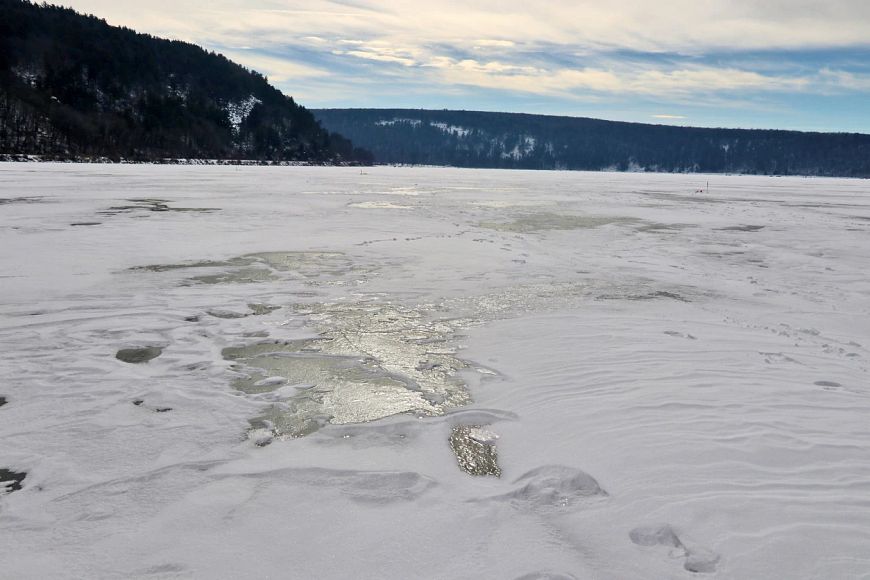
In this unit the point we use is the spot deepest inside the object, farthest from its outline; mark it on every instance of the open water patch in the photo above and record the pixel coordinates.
(139, 355)
(11, 200)
(254, 309)
(309, 267)
(741, 228)
(651, 295)
(152, 205)
(11, 480)
(158, 409)
(195, 264)
(663, 228)
(537, 222)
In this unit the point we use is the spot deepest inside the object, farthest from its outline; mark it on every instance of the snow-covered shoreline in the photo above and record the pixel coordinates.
(22, 158)
(675, 382)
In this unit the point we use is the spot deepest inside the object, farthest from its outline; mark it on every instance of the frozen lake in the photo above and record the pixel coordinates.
(224, 372)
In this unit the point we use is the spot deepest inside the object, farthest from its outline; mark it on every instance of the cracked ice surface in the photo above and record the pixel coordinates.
(675, 383)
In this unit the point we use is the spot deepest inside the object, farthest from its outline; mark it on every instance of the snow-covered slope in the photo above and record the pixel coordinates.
(528, 141)
(251, 372)
(238, 112)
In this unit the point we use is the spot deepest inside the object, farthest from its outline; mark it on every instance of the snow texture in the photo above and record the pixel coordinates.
(451, 129)
(389, 122)
(677, 379)
(238, 112)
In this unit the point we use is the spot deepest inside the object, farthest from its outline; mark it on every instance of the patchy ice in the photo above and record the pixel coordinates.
(250, 372)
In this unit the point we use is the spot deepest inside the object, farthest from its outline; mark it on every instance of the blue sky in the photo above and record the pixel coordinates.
(795, 64)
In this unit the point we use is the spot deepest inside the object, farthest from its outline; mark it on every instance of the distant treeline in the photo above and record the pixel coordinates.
(520, 141)
(71, 86)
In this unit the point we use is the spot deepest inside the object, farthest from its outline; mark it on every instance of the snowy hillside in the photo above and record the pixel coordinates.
(523, 141)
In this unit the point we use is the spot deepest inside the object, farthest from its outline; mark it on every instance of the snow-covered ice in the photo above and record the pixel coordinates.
(280, 372)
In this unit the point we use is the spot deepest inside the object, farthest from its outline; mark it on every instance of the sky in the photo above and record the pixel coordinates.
(790, 64)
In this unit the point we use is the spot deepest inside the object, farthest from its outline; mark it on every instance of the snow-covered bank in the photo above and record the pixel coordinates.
(675, 383)
(26, 158)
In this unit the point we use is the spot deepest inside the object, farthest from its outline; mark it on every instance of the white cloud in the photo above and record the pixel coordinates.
(494, 43)
(372, 55)
(636, 81)
(379, 50)
(277, 69)
(685, 25)
(565, 48)
(844, 79)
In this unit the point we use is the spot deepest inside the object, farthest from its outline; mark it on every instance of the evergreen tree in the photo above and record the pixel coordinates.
(73, 86)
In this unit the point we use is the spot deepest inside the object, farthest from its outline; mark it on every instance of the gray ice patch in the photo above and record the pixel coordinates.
(139, 355)
(10, 480)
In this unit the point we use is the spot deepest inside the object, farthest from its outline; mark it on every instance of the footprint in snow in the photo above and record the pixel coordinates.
(697, 559)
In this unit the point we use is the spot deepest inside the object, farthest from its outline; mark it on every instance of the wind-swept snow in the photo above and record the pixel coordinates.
(250, 372)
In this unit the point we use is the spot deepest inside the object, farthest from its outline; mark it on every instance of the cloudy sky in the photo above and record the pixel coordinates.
(799, 64)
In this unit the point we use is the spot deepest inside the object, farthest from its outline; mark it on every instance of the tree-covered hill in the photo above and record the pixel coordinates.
(71, 86)
(519, 141)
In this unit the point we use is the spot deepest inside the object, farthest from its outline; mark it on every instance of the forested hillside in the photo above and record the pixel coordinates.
(518, 141)
(71, 86)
